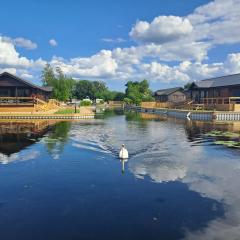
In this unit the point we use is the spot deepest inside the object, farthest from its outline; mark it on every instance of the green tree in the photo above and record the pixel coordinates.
(62, 85)
(83, 89)
(188, 85)
(137, 92)
(48, 76)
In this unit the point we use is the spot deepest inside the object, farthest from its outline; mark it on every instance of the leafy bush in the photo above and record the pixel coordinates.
(86, 102)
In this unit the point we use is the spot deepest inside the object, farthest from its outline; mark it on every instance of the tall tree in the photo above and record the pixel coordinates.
(62, 85)
(48, 76)
(137, 92)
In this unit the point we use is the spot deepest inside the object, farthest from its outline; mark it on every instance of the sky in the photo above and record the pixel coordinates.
(170, 43)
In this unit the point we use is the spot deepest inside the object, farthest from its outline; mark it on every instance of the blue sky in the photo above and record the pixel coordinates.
(168, 42)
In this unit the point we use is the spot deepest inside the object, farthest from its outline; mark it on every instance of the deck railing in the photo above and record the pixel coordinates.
(220, 100)
(16, 100)
(38, 104)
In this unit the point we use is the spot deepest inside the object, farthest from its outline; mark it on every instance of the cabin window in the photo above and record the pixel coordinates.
(216, 93)
(236, 92)
(23, 92)
(4, 92)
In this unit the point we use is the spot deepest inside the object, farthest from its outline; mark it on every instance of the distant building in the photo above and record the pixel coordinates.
(15, 87)
(173, 95)
(99, 100)
(219, 88)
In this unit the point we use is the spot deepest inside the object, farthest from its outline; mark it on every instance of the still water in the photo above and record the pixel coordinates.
(64, 180)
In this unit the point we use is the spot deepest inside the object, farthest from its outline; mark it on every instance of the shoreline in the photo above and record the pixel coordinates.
(200, 115)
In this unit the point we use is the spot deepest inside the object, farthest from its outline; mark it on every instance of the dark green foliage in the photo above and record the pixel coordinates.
(62, 85)
(96, 89)
(86, 103)
(137, 92)
(84, 89)
(65, 88)
(57, 138)
(187, 86)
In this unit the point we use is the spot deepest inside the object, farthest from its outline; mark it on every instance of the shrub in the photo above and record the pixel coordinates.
(86, 102)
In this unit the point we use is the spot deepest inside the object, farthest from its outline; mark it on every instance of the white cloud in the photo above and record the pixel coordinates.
(27, 76)
(232, 63)
(162, 29)
(20, 42)
(10, 70)
(53, 42)
(11, 61)
(162, 72)
(217, 21)
(9, 56)
(99, 65)
(25, 43)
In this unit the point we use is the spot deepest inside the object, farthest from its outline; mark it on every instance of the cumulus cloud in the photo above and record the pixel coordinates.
(25, 43)
(217, 21)
(20, 42)
(162, 29)
(27, 75)
(232, 63)
(9, 56)
(53, 42)
(99, 65)
(157, 71)
(11, 61)
(10, 70)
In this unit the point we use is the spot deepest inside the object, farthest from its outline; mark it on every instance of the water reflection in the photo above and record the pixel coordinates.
(16, 136)
(177, 184)
(212, 172)
(57, 138)
(123, 162)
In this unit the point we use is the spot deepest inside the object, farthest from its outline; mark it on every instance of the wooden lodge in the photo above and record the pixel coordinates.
(173, 95)
(215, 94)
(15, 87)
(20, 95)
(221, 93)
(167, 98)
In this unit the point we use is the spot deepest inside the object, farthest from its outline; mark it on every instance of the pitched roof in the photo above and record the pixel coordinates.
(46, 89)
(219, 81)
(167, 91)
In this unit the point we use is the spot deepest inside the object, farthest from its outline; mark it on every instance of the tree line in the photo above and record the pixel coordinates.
(66, 88)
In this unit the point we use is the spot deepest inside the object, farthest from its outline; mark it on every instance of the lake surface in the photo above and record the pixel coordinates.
(64, 180)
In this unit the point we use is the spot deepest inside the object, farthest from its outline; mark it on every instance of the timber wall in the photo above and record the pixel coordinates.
(190, 114)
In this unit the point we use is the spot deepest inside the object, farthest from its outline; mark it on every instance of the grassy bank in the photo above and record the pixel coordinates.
(67, 111)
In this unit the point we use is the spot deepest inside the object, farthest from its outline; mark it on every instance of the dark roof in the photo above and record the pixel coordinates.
(219, 81)
(167, 91)
(46, 89)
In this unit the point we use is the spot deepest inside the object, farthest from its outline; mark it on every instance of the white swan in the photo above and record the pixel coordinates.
(123, 154)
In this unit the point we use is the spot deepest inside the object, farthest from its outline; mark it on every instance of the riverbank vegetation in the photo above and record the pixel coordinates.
(137, 92)
(66, 88)
(67, 111)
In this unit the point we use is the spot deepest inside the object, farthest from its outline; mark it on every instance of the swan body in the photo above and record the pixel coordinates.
(123, 154)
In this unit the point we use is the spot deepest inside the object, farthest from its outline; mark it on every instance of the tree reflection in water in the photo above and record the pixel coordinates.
(57, 138)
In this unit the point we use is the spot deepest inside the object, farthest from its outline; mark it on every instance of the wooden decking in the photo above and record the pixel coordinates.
(27, 105)
(212, 104)
(34, 108)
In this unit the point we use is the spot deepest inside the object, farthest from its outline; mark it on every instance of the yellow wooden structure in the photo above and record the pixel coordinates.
(28, 105)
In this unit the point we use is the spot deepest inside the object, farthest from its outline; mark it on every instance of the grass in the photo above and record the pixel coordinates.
(67, 111)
